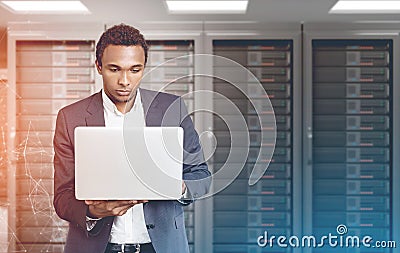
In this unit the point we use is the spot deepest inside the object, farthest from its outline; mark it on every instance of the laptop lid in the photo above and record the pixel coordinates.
(128, 163)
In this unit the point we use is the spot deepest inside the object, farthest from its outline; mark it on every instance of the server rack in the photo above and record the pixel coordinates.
(170, 69)
(50, 75)
(272, 54)
(47, 70)
(350, 134)
(174, 46)
(242, 212)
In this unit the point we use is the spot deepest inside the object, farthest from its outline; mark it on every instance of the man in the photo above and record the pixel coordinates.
(134, 225)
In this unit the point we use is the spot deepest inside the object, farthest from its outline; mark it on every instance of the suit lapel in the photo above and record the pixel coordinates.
(95, 111)
(152, 112)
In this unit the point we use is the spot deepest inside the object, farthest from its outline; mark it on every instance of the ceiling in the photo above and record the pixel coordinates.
(131, 11)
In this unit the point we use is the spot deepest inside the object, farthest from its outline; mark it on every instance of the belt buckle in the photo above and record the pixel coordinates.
(137, 248)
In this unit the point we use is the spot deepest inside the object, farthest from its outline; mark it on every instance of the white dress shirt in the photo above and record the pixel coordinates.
(130, 227)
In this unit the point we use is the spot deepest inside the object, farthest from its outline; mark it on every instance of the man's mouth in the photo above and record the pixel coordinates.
(123, 92)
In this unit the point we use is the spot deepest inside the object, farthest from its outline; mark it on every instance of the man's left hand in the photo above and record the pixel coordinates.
(183, 188)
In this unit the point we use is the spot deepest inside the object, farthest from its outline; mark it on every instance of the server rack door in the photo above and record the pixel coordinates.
(352, 85)
(241, 212)
(49, 75)
(170, 69)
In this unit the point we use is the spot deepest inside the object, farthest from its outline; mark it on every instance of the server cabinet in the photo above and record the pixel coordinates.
(352, 140)
(50, 75)
(242, 212)
(170, 69)
(46, 73)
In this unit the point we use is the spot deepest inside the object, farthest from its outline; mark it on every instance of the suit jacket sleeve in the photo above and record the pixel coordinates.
(66, 205)
(195, 170)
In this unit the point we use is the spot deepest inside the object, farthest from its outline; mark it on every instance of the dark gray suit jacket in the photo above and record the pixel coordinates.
(164, 219)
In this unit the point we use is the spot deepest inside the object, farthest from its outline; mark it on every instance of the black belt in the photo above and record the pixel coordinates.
(129, 248)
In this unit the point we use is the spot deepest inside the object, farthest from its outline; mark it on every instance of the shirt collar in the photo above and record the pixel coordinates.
(110, 106)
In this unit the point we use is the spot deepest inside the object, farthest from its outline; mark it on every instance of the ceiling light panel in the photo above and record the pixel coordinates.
(207, 7)
(366, 7)
(46, 7)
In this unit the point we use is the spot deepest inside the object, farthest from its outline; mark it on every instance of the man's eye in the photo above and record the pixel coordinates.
(113, 69)
(135, 70)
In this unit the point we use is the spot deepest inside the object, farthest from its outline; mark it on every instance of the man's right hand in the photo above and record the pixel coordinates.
(104, 208)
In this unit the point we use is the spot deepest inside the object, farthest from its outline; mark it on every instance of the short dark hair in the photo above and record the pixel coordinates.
(121, 34)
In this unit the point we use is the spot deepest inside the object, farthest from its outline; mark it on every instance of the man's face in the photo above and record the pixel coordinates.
(122, 69)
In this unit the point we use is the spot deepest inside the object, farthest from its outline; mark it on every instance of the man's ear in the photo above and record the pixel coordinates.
(98, 67)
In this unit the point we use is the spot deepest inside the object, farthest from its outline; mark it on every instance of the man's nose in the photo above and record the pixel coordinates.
(123, 79)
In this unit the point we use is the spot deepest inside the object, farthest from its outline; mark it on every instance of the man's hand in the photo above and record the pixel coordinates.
(183, 187)
(104, 208)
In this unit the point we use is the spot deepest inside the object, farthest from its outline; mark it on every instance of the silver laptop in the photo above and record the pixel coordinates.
(128, 163)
